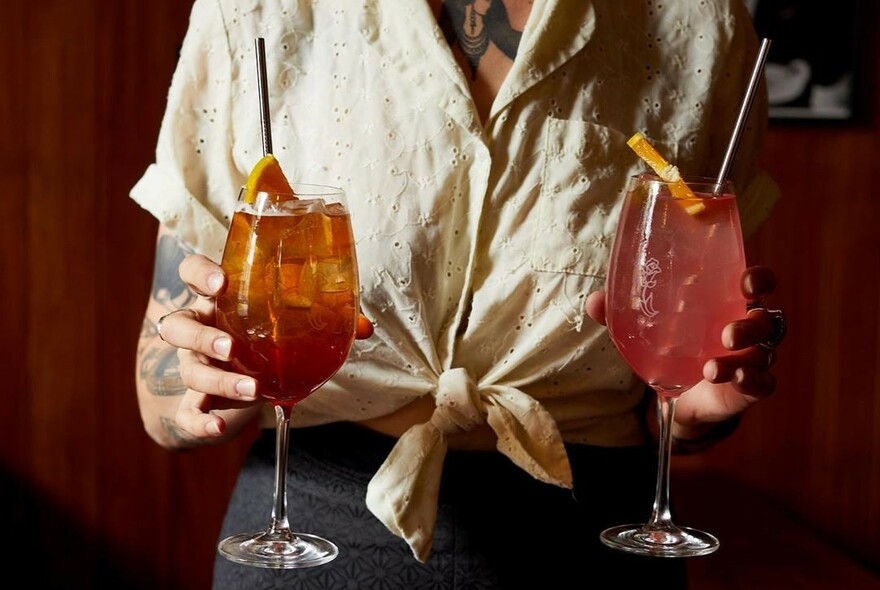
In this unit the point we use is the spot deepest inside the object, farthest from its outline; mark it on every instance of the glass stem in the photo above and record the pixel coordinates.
(661, 517)
(280, 526)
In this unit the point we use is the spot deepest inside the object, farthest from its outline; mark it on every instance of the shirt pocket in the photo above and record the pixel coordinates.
(584, 176)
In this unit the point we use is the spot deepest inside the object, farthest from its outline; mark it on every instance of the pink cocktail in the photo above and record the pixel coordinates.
(673, 284)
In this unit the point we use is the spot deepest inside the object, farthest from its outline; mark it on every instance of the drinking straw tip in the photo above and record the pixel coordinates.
(265, 124)
(745, 107)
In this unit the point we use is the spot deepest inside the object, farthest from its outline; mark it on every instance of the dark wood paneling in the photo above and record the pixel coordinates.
(814, 448)
(13, 240)
(85, 83)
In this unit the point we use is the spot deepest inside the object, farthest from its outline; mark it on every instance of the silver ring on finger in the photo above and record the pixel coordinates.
(771, 358)
(779, 330)
(777, 316)
(194, 313)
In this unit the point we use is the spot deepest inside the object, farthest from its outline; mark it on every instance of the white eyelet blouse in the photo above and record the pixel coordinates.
(477, 243)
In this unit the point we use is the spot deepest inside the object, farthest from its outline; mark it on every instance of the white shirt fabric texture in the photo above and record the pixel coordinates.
(477, 242)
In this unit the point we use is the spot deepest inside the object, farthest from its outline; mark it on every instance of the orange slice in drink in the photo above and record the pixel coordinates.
(267, 176)
(667, 172)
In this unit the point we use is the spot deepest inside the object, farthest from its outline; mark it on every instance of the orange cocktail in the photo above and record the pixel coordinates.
(292, 299)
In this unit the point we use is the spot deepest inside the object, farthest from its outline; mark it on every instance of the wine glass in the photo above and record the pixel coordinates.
(291, 307)
(673, 283)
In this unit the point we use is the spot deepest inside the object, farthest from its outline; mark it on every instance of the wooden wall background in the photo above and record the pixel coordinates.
(87, 500)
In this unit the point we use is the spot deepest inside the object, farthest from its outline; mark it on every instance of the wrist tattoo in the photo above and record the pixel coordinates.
(160, 371)
(148, 333)
(170, 427)
(168, 289)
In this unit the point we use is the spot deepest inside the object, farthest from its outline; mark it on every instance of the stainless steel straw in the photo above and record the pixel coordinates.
(265, 124)
(744, 109)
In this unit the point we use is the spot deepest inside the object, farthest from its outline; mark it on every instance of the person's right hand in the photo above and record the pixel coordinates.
(218, 403)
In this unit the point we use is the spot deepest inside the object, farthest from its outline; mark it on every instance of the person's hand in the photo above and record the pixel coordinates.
(733, 382)
(752, 340)
(218, 403)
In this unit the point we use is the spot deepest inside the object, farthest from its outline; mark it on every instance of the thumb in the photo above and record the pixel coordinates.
(595, 306)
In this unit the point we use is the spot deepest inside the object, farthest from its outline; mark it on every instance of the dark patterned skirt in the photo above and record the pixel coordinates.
(497, 526)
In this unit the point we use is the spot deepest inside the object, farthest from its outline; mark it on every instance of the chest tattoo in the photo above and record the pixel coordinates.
(474, 24)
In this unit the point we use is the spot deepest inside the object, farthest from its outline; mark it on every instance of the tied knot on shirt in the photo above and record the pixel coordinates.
(457, 402)
(404, 492)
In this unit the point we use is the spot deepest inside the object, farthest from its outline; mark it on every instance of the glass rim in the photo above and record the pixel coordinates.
(692, 180)
(302, 190)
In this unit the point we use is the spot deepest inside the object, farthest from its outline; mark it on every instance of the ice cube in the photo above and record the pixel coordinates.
(294, 283)
(333, 275)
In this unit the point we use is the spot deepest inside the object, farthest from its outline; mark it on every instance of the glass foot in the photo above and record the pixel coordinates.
(660, 542)
(296, 550)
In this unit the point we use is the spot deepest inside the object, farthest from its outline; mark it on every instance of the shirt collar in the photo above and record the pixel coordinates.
(555, 31)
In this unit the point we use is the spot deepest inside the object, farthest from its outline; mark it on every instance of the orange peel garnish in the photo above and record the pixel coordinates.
(667, 172)
(267, 176)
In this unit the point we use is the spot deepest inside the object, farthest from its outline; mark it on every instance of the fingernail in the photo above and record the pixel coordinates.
(222, 346)
(728, 336)
(213, 428)
(710, 371)
(215, 281)
(246, 388)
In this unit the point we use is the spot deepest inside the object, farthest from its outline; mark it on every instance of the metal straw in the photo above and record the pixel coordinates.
(743, 115)
(264, 96)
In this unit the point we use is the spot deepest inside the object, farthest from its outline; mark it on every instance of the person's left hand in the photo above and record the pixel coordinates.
(733, 382)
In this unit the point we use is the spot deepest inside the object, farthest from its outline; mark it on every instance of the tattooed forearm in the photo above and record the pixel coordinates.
(168, 289)
(171, 429)
(160, 371)
(148, 332)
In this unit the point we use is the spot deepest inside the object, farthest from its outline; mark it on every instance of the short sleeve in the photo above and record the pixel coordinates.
(191, 188)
